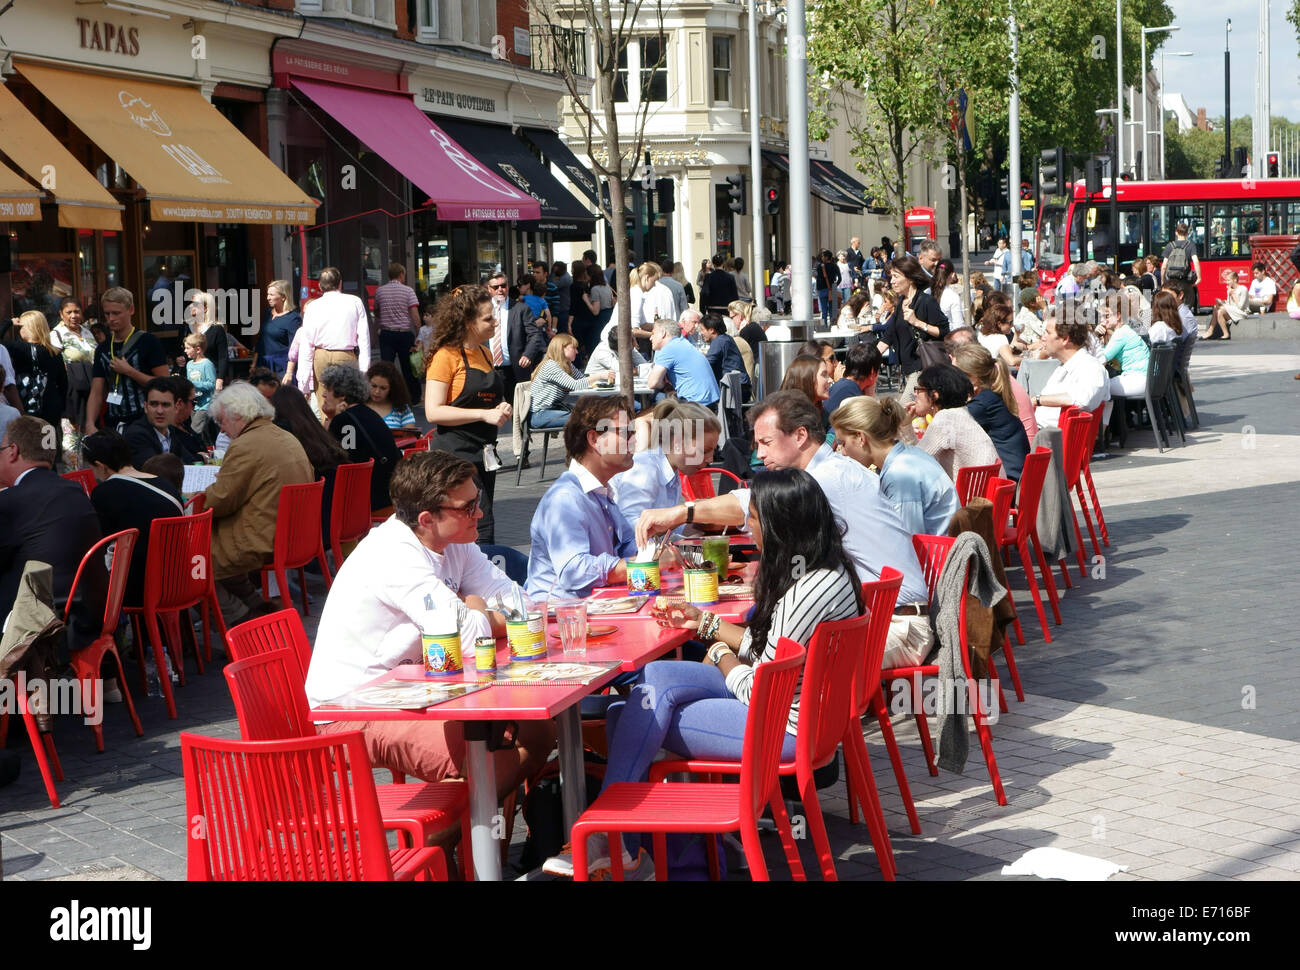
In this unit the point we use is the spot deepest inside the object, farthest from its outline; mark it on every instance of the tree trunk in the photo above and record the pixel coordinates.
(965, 244)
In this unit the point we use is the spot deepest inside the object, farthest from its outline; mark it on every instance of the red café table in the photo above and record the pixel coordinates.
(633, 645)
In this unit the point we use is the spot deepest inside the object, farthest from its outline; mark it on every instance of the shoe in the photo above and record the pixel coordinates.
(642, 869)
(597, 857)
(112, 692)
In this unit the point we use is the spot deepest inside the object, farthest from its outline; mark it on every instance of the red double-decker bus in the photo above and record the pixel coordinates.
(1221, 216)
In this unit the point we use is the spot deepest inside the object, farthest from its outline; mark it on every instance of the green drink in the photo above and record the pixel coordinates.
(717, 550)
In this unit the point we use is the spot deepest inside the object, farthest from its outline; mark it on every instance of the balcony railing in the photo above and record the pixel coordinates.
(553, 48)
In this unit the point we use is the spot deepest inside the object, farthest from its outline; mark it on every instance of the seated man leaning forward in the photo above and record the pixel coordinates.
(579, 539)
(421, 561)
(788, 434)
(1081, 379)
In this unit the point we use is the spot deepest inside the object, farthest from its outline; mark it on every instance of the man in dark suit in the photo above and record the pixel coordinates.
(719, 289)
(526, 337)
(47, 518)
(154, 433)
(181, 427)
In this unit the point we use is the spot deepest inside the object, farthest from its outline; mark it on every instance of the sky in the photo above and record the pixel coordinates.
(1199, 79)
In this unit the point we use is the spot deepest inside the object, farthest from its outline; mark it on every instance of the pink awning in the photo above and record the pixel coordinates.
(391, 125)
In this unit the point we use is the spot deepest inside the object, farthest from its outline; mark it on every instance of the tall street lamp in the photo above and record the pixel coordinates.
(1162, 102)
(1146, 142)
(1227, 101)
(1119, 88)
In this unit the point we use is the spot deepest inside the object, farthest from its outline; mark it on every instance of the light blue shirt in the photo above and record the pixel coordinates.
(875, 536)
(577, 533)
(1131, 350)
(690, 372)
(917, 486)
(651, 483)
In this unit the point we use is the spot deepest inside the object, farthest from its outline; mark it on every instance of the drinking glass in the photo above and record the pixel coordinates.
(571, 623)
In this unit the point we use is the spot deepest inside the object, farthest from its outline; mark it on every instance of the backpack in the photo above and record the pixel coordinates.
(1178, 261)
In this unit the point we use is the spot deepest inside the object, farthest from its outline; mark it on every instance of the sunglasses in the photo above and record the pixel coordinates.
(496, 286)
(468, 511)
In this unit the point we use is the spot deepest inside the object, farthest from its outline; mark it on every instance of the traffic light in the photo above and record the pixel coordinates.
(772, 196)
(1092, 175)
(1005, 186)
(736, 193)
(1272, 165)
(1051, 171)
(1026, 191)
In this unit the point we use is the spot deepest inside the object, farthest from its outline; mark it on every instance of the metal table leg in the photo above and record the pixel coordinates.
(573, 776)
(482, 803)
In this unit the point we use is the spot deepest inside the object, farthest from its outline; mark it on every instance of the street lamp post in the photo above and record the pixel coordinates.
(1119, 87)
(1146, 140)
(1227, 100)
(1114, 182)
(1161, 131)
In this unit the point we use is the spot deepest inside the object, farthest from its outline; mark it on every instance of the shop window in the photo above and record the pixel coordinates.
(721, 70)
(724, 222)
(40, 280)
(166, 278)
(621, 78)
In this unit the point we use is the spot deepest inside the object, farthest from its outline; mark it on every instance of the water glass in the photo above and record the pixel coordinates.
(571, 623)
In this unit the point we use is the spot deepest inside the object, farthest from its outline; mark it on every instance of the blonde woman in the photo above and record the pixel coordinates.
(38, 369)
(202, 314)
(281, 322)
(554, 379)
(868, 430)
(996, 407)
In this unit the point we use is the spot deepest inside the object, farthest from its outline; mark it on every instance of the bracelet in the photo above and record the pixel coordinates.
(709, 623)
(716, 651)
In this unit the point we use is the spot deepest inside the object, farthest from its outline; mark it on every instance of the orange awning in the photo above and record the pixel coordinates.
(83, 202)
(194, 165)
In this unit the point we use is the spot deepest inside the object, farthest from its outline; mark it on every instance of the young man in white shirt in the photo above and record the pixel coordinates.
(1080, 381)
(1262, 292)
(421, 567)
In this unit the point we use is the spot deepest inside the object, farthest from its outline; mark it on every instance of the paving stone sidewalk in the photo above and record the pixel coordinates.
(1138, 741)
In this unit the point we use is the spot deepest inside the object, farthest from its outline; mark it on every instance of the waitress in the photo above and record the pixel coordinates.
(464, 396)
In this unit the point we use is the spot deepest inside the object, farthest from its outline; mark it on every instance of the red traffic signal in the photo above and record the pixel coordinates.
(1272, 158)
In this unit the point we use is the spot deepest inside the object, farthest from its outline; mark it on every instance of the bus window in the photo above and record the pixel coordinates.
(1283, 218)
(1051, 244)
(1164, 218)
(1231, 226)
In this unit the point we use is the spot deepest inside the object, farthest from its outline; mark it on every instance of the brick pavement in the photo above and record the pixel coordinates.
(1137, 742)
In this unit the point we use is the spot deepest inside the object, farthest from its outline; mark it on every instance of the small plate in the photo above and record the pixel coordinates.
(594, 632)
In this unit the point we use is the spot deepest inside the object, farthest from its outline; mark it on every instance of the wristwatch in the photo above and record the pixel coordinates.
(690, 512)
(716, 651)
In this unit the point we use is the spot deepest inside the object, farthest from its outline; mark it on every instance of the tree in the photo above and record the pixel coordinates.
(591, 25)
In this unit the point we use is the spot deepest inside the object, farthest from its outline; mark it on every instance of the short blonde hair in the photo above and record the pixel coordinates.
(285, 289)
(209, 304)
(196, 340)
(649, 272)
(880, 419)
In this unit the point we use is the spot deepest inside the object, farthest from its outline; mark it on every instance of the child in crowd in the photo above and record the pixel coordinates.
(203, 375)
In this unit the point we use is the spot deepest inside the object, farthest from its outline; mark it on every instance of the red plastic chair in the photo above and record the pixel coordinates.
(178, 575)
(1025, 534)
(700, 485)
(85, 477)
(197, 503)
(298, 541)
(86, 662)
(1077, 436)
(271, 704)
(880, 598)
(1002, 493)
(47, 757)
(288, 810)
(1087, 477)
(827, 702)
(972, 479)
(933, 554)
(350, 510)
(709, 807)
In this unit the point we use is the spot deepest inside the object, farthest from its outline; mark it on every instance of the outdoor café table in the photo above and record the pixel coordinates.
(633, 646)
(640, 390)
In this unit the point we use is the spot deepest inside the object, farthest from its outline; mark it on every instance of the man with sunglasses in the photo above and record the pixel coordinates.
(579, 538)
(418, 572)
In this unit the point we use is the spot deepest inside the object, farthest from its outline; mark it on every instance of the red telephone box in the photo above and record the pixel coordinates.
(920, 225)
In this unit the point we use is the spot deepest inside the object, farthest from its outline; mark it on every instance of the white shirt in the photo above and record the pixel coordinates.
(1161, 332)
(655, 303)
(950, 304)
(875, 536)
(778, 331)
(993, 342)
(651, 483)
(603, 358)
(376, 608)
(336, 321)
(1264, 289)
(1083, 378)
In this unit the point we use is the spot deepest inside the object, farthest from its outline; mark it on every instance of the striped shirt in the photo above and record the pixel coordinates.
(551, 386)
(393, 302)
(820, 595)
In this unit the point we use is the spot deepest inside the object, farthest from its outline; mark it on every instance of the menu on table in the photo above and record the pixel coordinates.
(406, 695)
(199, 478)
(535, 674)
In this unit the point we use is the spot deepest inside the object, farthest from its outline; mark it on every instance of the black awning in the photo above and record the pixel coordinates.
(819, 182)
(845, 182)
(499, 150)
(561, 156)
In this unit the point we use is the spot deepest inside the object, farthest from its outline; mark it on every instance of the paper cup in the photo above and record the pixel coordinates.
(527, 639)
(642, 578)
(441, 654)
(702, 585)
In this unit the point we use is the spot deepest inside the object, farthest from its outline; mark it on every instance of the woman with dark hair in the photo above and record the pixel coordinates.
(698, 710)
(580, 315)
(127, 499)
(294, 415)
(390, 398)
(917, 318)
(465, 395)
(947, 294)
(1166, 323)
(995, 329)
(600, 301)
(954, 437)
(857, 304)
(812, 378)
(361, 432)
(723, 352)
